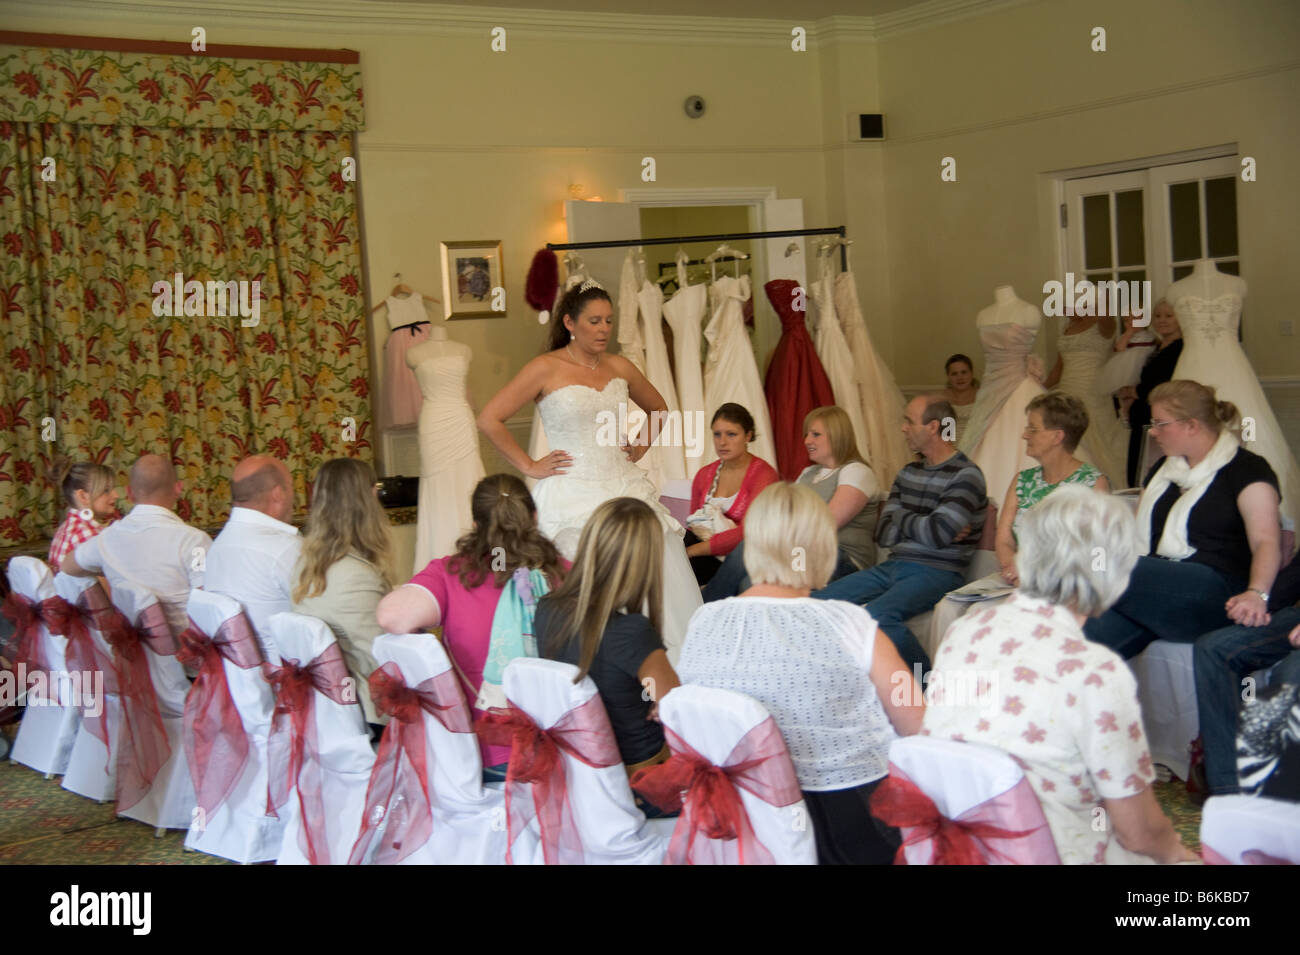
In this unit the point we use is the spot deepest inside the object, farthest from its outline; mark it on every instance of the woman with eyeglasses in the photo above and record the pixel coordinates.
(1209, 515)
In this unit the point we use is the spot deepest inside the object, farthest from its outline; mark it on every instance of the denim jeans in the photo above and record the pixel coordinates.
(1166, 600)
(894, 592)
(732, 579)
(1222, 658)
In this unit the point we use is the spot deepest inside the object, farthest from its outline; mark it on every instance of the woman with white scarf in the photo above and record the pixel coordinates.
(1209, 511)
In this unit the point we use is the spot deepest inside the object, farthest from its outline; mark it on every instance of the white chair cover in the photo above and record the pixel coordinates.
(1167, 691)
(91, 771)
(346, 756)
(712, 722)
(49, 726)
(240, 829)
(468, 819)
(170, 802)
(1250, 830)
(959, 777)
(612, 829)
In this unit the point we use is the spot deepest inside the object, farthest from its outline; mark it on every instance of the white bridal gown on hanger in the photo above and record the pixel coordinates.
(1213, 356)
(672, 457)
(684, 313)
(730, 372)
(450, 465)
(836, 359)
(993, 435)
(601, 471)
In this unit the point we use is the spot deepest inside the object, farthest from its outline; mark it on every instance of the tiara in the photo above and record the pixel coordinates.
(590, 283)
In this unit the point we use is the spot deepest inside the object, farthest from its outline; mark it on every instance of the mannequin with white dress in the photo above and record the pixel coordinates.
(1082, 356)
(684, 313)
(1208, 303)
(1008, 330)
(450, 464)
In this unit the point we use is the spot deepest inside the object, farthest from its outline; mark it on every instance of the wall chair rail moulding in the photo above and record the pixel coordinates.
(222, 169)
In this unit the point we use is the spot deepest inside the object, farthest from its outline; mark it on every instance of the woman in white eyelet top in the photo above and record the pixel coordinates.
(834, 683)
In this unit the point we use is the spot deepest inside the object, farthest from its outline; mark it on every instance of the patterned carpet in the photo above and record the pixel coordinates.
(41, 823)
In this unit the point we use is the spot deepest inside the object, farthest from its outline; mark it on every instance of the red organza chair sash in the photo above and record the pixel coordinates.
(706, 795)
(84, 657)
(143, 746)
(398, 812)
(215, 744)
(26, 646)
(292, 748)
(584, 733)
(973, 837)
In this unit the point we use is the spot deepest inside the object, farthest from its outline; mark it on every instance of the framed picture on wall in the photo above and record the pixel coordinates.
(472, 283)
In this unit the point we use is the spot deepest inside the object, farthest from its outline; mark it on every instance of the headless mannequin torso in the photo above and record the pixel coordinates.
(1007, 307)
(1206, 281)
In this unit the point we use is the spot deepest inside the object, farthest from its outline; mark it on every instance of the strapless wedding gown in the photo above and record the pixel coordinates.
(573, 417)
(993, 435)
(1212, 355)
(1105, 443)
(450, 465)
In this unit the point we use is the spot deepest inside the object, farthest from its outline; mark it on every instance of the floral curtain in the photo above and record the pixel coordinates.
(123, 171)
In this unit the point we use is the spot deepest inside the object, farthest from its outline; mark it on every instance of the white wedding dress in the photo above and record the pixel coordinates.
(1213, 356)
(450, 465)
(1105, 443)
(572, 417)
(684, 313)
(730, 372)
(837, 360)
(659, 372)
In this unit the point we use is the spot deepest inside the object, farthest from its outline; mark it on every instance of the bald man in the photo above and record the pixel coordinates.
(252, 558)
(151, 547)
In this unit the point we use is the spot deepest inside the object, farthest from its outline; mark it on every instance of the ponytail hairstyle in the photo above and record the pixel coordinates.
(504, 537)
(69, 478)
(572, 303)
(1193, 400)
(619, 567)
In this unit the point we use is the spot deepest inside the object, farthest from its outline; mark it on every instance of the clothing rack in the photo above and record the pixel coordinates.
(841, 231)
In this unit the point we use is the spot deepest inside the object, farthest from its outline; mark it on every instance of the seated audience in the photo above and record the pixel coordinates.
(151, 547)
(1021, 677)
(1224, 657)
(345, 566)
(253, 557)
(932, 521)
(837, 688)
(844, 481)
(728, 484)
(606, 618)
(1210, 525)
(462, 592)
(88, 492)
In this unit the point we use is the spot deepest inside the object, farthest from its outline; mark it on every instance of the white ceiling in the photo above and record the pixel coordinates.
(752, 9)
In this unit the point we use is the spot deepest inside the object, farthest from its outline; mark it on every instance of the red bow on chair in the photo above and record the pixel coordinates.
(711, 806)
(215, 744)
(25, 645)
(397, 812)
(899, 802)
(584, 733)
(144, 747)
(84, 658)
(292, 750)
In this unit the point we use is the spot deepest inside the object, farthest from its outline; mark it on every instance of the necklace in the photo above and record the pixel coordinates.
(592, 366)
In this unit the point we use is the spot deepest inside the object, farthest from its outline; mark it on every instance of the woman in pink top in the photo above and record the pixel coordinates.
(460, 592)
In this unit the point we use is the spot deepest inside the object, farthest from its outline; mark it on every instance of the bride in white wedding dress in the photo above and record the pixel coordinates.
(582, 397)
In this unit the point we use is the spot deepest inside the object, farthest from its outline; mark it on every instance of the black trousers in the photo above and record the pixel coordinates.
(846, 832)
(705, 567)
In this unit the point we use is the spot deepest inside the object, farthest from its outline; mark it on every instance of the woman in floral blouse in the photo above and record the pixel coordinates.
(1064, 707)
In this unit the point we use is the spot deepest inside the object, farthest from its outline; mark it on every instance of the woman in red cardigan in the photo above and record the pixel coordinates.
(730, 484)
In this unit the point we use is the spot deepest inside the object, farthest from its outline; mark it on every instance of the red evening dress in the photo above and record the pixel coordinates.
(796, 382)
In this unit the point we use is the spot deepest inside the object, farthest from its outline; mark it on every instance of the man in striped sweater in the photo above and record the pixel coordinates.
(931, 523)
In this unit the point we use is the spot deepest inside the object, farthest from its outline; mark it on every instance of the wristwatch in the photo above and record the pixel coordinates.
(1261, 593)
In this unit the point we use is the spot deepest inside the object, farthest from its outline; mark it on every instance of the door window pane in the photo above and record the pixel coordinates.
(1096, 231)
(1185, 220)
(1129, 234)
(1221, 216)
(1230, 268)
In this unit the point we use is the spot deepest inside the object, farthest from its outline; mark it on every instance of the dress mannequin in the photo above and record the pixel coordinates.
(450, 465)
(1008, 330)
(1208, 304)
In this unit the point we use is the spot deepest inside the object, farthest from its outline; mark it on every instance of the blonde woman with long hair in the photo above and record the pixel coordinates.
(345, 567)
(607, 617)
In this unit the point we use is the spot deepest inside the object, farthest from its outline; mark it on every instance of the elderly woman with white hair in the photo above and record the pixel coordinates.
(1066, 708)
(835, 685)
